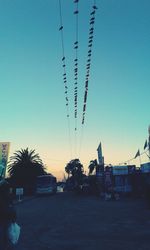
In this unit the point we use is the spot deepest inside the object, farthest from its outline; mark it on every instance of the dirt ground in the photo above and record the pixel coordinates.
(66, 221)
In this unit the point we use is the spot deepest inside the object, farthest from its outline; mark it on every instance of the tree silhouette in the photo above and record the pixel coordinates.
(75, 169)
(24, 166)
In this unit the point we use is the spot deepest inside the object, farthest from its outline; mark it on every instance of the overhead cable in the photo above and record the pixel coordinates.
(88, 62)
(61, 27)
(76, 46)
(88, 65)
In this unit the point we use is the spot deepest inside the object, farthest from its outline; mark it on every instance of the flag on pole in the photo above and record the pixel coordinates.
(100, 156)
(145, 145)
(137, 154)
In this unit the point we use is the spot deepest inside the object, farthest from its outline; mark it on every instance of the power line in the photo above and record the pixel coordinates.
(76, 66)
(88, 62)
(76, 46)
(65, 76)
(88, 66)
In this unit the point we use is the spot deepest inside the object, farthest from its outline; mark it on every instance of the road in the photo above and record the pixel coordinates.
(66, 221)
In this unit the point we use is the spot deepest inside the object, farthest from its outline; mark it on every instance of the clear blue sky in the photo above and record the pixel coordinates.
(33, 112)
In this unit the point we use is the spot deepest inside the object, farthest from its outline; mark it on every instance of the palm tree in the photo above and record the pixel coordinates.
(75, 169)
(24, 166)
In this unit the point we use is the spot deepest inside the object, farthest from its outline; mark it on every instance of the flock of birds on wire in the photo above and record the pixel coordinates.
(88, 64)
(76, 61)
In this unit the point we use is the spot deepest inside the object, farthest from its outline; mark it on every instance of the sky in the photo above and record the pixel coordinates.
(33, 111)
